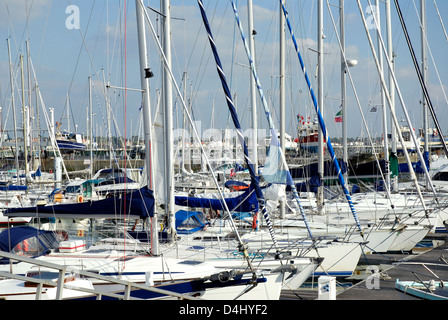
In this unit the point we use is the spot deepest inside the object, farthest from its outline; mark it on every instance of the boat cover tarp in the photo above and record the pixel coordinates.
(307, 171)
(139, 203)
(312, 185)
(245, 202)
(12, 187)
(43, 239)
(115, 180)
(231, 183)
(188, 222)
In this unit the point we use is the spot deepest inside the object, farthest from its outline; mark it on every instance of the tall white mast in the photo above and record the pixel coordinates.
(282, 90)
(425, 79)
(383, 97)
(11, 75)
(320, 66)
(168, 112)
(390, 53)
(68, 113)
(24, 122)
(344, 67)
(147, 121)
(109, 130)
(253, 86)
(91, 127)
(30, 110)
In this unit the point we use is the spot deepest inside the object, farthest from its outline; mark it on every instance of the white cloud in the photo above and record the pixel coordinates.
(18, 10)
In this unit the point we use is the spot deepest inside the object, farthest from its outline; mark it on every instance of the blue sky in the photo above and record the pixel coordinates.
(63, 62)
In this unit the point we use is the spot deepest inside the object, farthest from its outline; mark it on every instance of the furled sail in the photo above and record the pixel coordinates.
(139, 204)
(243, 202)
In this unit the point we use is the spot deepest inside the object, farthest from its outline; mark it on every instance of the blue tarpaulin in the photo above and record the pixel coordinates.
(238, 203)
(188, 222)
(139, 203)
(37, 241)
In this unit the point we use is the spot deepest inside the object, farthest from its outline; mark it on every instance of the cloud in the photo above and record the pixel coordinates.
(18, 10)
(406, 72)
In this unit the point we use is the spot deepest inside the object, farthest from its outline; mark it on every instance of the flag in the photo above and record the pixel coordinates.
(338, 117)
(374, 109)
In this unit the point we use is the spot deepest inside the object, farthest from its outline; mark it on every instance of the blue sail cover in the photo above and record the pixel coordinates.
(11, 187)
(188, 222)
(9, 238)
(234, 183)
(310, 170)
(26, 240)
(139, 203)
(237, 204)
(312, 185)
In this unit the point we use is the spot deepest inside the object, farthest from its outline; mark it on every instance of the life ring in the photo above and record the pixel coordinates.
(435, 133)
(80, 199)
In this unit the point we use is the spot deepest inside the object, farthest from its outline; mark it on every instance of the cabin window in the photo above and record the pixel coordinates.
(441, 176)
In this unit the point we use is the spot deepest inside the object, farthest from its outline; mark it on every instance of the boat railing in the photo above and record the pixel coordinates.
(419, 275)
(60, 284)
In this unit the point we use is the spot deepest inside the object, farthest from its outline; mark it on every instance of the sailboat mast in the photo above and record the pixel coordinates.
(25, 122)
(394, 180)
(68, 113)
(30, 111)
(16, 152)
(253, 88)
(383, 98)
(39, 137)
(147, 121)
(425, 80)
(168, 111)
(91, 127)
(109, 132)
(344, 67)
(282, 92)
(320, 66)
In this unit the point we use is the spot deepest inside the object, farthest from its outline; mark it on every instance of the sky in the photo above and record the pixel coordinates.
(104, 46)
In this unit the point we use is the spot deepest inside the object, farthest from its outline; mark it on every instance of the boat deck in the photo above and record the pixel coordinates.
(405, 267)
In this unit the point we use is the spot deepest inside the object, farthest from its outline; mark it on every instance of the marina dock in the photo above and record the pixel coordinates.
(421, 264)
